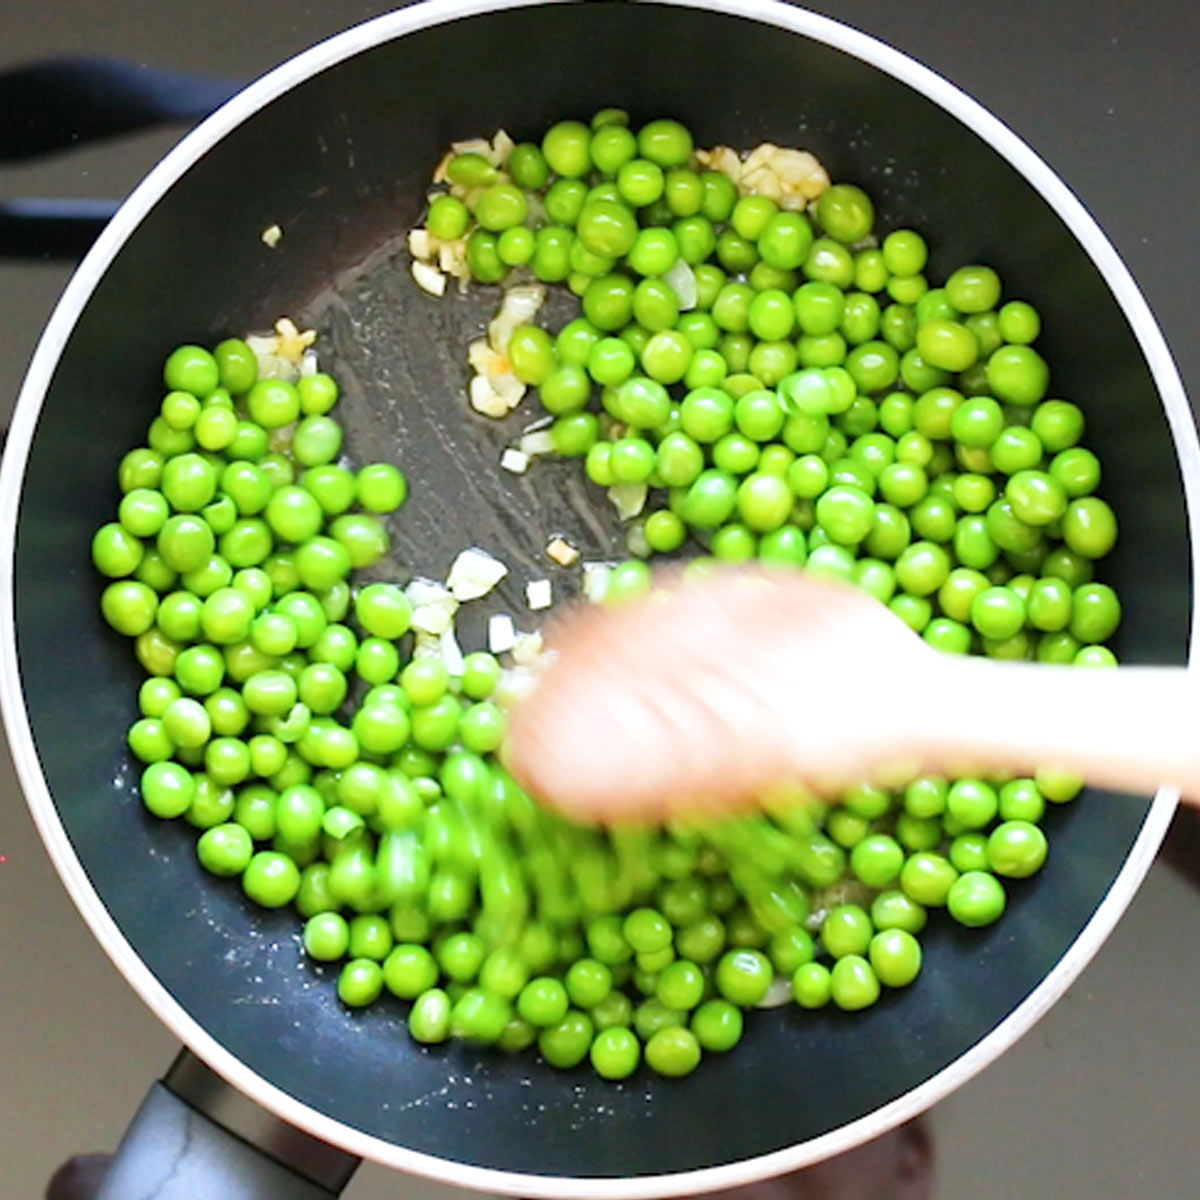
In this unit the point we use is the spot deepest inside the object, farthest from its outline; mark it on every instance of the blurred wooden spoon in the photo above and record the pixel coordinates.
(706, 694)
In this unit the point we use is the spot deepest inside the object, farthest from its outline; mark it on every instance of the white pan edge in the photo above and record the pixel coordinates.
(45, 815)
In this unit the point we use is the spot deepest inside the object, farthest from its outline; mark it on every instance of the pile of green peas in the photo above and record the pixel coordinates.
(789, 418)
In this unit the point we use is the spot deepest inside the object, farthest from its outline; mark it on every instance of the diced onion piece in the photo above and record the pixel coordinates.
(723, 159)
(760, 156)
(421, 244)
(562, 552)
(502, 146)
(279, 441)
(538, 442)
(429, 278)
(595, 581)
(480, 146)
(270, 365)
(271, 236)
(426, 645)
(452, 258)
(635, 540)
(484, 398)
(480, 355)
(681, 279)
(528, 648)
(292, 343)
(628, 499)
(502, 634)
(509, 388)
(762, 182)
(451, 653)
(426, 591)
(514, 461)
(519, 306)
(524, 300)
(309, 364)
(474, 574)
(539, 593)
(780, 992)
(434, 618)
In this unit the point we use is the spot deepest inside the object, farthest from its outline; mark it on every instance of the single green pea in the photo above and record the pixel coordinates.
(1018, 375)
(895, 957)
(1019, 323)
(1089, 527)
(975, 899)
(853, 983)
(845, 212)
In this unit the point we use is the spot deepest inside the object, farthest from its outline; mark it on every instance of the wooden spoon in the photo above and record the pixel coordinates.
(706, 694)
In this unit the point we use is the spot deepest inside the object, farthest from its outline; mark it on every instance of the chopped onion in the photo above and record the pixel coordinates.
(539, 593)
(635, 540)
(271, 236)
(435, 618)
(780, 992)
(480, 356)
(426, 645)
(308, 364)
(562, 552)
(681, 279)
(502, 634)
(519, 306)
(421, 244)
(628, 499)
(485, 400)
(452, 654)
(539, 442)
(595, 580)
(474, 574)
(279, 441)
(452, 258)
(502, 146)
(528, 648)
(514, 461)
(509, 388)
(429, 279)
(480, 146)
(426, 591)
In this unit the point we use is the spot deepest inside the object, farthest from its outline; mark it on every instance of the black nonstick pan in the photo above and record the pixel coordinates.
(336, 148)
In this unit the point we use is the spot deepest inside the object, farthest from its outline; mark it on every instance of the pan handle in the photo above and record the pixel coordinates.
(60, 104)
(196, 1138)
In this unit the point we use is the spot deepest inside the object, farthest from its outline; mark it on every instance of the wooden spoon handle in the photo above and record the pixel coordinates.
(1130, 728)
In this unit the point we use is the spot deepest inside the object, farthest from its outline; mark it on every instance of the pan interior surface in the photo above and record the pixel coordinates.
(340, 163)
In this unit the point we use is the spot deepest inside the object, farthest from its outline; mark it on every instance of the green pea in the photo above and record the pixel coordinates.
(448, 217)
(976, 899)
(1018, 375)
(904, 252)
(845, 212)
(853, 983)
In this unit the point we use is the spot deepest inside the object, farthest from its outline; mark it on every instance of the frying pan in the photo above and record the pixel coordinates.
(336, 147)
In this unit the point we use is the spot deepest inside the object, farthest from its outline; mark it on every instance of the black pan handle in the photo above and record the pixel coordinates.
(60, 104)
(196, 1138)
(63, 229)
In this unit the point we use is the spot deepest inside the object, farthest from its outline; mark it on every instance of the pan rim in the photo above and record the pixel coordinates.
(16, 719)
